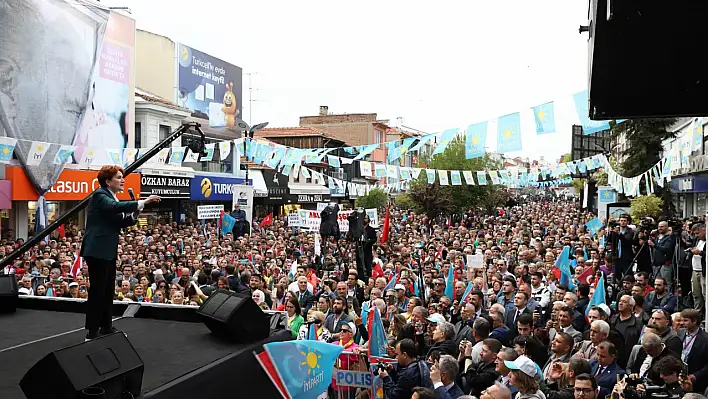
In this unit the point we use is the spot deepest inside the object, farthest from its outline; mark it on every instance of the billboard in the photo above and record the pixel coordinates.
(107, 123)
(208, 86)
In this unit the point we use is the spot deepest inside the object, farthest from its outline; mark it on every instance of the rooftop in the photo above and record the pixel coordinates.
(298, 131)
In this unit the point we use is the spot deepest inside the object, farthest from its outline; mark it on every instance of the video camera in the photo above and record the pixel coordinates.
(649, 391)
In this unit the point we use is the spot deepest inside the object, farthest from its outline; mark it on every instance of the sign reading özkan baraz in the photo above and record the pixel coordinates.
(165, 186)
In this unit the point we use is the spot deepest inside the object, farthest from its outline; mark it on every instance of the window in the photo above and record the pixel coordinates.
(164, 132)
(701, 202)
(138, 135)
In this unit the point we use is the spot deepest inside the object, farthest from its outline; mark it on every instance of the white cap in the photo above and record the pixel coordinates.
(524, 364)
(399, 287)
(436, 318)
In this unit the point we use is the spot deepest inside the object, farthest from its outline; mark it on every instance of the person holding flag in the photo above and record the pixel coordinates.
(348, 360)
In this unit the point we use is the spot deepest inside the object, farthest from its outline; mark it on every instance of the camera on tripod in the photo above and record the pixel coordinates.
(648, 391)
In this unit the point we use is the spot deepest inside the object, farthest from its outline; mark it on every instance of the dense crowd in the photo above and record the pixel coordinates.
(519, 331)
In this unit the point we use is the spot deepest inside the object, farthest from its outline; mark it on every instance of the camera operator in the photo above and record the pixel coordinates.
(698, 266)
(408, 373)
(662, 250)
(624, 238)
(672, 381)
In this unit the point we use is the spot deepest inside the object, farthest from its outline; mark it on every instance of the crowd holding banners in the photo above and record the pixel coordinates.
(510, 326)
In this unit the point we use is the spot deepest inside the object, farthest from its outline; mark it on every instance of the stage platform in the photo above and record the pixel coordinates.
(181, 358)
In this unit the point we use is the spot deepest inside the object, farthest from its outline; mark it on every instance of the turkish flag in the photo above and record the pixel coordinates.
(62, 232)
(76, 268)
(586, 276)
(267, 221)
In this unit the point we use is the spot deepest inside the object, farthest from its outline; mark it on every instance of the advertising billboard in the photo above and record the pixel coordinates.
(208, 86)
(214, 188)
(108, 123)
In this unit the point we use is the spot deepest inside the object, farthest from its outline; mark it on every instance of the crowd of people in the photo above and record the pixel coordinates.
(518, 332)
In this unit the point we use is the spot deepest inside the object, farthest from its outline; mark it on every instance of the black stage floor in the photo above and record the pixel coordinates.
(170, 350)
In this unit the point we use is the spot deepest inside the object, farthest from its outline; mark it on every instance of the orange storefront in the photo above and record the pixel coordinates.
(72, 186)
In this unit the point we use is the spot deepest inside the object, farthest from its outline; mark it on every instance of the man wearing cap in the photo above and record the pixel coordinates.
(401, 300)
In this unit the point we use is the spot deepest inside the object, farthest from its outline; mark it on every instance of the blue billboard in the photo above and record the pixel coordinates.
(208, 86)
(214, 188)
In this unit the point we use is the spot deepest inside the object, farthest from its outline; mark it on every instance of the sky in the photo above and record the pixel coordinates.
(436, 65)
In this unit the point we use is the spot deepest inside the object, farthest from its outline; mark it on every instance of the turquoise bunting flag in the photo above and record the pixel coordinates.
(509, 133)
(545, 118)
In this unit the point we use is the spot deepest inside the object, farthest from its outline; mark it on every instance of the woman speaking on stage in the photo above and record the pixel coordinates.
(105, 217)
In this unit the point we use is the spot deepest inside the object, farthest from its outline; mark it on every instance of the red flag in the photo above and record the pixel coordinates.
(76, 268)
(377, 272)
(268, 366)
(586, 275)
(556, 272)
(61, 231)
(387, 226)
(267, 221)
(221, 220)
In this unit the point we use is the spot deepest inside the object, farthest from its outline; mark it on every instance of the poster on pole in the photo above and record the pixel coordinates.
(243, 195)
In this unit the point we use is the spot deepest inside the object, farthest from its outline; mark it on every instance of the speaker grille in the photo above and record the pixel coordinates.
(228, 307)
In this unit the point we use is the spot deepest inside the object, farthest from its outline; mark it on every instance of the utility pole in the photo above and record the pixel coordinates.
(250, 95)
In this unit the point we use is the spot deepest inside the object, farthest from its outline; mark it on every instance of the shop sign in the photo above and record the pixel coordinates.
(214, 188)
(165, 186)
(72, 185)
(698, 164)
(310, 198)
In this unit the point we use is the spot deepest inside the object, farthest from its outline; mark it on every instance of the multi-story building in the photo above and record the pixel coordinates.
(689, 167)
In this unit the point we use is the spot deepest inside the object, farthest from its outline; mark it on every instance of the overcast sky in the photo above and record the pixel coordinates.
(437, 65)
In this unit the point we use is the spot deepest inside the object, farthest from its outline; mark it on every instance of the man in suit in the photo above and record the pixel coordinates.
(662, 249)
(334, 320)
(368, 246)
(520, 302)
(605, 369)
(599, 331)
(475, 379)
(626, 239)
(564, 325)
(653, 347)
(443, 374)
(105, 217)
(695, 346)
(304, 296)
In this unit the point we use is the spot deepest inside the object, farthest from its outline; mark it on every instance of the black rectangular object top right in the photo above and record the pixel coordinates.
(645, 59)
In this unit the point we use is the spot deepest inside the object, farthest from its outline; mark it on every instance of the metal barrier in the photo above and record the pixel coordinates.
(353, 379)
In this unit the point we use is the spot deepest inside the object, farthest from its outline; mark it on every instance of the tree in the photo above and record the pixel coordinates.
(404, 201)
(434, 199)
(646, 205)
(644, 138)
(376, 198)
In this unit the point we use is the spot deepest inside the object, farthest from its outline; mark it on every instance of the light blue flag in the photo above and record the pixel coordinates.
(582, 167)
(450, 283)
(64, 154)
(397, 150)
(476, 140)
(365, 312)
(594, 226)
(312, 332)
(620, 120)
(365, 150)
(305, 367)
(563, 263)
(392, 283)
(545, 118)
(377, 334)
(209, 149)
(598, 296)
(278, 155)
(7, 147)
(177, 155)
(509, 133)
(333, 161)
(445, 140)
(607, 195)
(422, 142)
(481, 178)
(227, 224)
(581, 106)
(430, 173)
(467, 292)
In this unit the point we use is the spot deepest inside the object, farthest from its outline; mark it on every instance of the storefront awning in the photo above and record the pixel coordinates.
(303, 188)
(259, 185)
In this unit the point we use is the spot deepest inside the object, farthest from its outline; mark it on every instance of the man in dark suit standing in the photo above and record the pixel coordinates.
(510, 318)
(105, 217)
(369, 241)
(695, 346)
(626, 239)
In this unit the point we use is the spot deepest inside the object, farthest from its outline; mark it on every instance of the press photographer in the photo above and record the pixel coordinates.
(698, 266)
(410, 372)
(672, 383)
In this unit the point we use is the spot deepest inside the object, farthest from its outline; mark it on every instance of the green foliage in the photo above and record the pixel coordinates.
(644, 139)
(434, 199)
(404, 201)
(567, 158)
(376, 198)
(647, 205)
(578, 185)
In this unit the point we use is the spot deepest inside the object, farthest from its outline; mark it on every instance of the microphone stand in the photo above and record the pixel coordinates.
(194, 145)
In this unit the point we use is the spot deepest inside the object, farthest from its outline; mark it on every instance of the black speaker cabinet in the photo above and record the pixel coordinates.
(235, 316)
(645, 59)
(109, 363)
(8, 293)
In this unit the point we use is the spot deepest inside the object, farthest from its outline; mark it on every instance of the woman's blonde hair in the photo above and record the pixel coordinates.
(525, 384)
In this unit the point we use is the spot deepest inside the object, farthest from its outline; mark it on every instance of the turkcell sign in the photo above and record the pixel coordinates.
(214, 188)
(351, 378)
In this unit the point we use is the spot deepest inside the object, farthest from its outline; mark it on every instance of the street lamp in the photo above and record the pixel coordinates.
(249, 132)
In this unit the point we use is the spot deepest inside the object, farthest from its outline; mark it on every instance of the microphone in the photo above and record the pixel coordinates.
(132, 194)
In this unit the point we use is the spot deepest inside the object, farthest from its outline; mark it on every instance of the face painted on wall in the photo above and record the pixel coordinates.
(45, 74)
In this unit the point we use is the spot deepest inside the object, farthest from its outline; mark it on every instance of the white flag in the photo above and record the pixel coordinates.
(37, 152)
(467, 174)
(225, 149)
(88, 157)
(191, 157)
